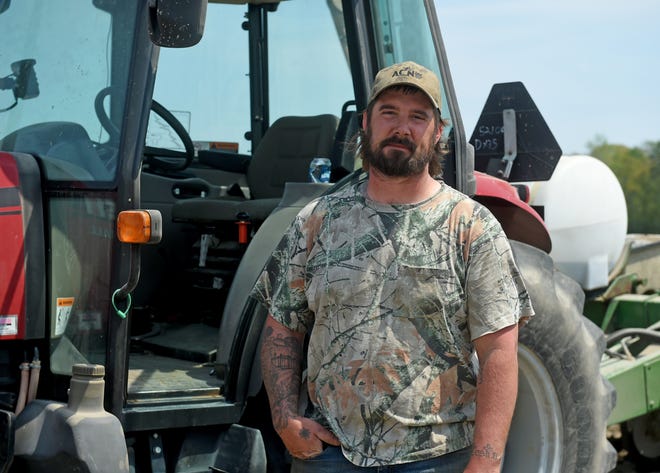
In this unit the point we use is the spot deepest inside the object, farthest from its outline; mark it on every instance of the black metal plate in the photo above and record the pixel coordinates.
(538, 151)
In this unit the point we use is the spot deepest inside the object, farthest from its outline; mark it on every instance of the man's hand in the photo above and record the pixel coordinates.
(304, 437)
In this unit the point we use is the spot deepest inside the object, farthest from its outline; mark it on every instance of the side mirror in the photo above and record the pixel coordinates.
(26, 86)
(22, 81)
(176, 23)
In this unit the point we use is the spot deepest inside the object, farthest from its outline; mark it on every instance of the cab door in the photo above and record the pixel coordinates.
(73, 103)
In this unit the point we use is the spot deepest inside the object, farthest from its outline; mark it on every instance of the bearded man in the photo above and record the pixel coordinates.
(410, 300)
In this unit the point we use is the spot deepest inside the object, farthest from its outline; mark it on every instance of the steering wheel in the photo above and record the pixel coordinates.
(157, 158)
(104, 119)
(168, 159)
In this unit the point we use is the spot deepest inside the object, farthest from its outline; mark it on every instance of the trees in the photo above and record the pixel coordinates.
(638, 171)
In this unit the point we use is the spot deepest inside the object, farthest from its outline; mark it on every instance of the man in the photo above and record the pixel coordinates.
(396, 280)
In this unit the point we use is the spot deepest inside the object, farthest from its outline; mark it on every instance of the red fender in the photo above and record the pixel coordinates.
(22, 249)
(519, 221)
(12, 255)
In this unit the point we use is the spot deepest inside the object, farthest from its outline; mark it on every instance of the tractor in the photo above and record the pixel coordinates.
(152, 155)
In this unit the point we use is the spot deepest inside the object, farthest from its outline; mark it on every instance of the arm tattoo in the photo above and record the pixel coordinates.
(284, 362)
(486, 452)
(281, 359)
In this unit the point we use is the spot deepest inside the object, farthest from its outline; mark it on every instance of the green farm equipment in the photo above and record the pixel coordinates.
(628, 311)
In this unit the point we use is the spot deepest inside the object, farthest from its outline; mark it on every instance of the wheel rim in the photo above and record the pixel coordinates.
(646, 435)
(535, 441)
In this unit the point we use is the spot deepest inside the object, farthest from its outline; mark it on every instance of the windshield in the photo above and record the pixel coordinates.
(308, 74)
(57, 105)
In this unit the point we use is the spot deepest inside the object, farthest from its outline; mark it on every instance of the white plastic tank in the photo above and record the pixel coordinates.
(584, 209)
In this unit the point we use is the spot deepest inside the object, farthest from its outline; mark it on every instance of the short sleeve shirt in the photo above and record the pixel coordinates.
(391, 297)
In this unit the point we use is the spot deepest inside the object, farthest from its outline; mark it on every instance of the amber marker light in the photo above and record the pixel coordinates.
(139, 226)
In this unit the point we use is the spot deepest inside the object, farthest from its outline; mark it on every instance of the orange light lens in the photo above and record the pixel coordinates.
(134, 226)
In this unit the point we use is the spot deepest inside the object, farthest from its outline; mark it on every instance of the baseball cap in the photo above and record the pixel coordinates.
(408, 73)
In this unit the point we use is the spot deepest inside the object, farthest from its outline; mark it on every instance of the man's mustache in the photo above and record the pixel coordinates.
(395, 140)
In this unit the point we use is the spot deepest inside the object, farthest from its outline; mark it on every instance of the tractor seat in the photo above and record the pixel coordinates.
(283, 155)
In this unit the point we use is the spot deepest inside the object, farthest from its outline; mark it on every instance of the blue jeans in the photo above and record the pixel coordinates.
(331, 460)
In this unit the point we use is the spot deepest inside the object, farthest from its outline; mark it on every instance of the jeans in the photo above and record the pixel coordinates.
(331, 460)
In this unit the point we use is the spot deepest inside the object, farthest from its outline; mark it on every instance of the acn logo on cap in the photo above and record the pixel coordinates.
(407, 72)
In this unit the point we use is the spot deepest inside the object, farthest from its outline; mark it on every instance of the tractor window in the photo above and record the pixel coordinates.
(309, 72)
(206, 87)
(81, 235)
(62, 107)
(403, 33)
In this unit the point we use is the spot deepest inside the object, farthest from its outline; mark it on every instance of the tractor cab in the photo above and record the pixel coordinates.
(209, 116)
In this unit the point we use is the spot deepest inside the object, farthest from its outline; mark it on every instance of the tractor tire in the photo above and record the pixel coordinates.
(560, 421)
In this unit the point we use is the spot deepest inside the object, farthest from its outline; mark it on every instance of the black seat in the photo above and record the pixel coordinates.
(283, 155)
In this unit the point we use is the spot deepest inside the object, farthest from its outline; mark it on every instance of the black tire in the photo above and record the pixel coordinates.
(563, 400)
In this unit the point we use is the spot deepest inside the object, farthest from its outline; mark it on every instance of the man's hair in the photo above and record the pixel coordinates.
(359, 140)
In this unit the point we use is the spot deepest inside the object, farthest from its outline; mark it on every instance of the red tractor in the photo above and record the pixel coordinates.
(152, 155)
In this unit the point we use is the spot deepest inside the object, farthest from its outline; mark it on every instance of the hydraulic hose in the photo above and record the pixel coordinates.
(23, 389)
(633, 332)
(35, 369)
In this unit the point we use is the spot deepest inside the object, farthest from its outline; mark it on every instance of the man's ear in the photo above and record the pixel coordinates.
(438, 134)
(365, 121)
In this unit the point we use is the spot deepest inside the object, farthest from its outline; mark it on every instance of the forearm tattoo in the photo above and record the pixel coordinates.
(281, 359)
(284, 362)
(486, 452)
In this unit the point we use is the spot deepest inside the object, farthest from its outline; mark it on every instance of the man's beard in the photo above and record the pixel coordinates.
(397, 162)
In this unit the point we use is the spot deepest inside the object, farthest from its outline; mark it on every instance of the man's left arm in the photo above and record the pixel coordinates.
(497, 388)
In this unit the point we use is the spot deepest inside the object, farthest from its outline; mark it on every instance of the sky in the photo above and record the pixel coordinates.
(591, 66)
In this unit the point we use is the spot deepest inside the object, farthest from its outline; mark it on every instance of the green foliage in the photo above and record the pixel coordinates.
(638, 171)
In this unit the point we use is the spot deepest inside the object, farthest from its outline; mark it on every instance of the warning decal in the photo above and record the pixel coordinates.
(8, 325)
(62, 314)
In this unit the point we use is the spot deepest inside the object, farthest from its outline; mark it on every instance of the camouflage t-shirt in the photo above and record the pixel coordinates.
(391, 297)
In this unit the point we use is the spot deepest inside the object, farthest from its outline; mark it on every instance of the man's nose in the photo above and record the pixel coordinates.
(402, 128)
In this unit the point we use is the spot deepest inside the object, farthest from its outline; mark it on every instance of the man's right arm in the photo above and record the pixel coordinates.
(281, 365)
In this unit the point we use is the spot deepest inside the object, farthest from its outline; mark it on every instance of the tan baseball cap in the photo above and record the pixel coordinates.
(408, 73)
